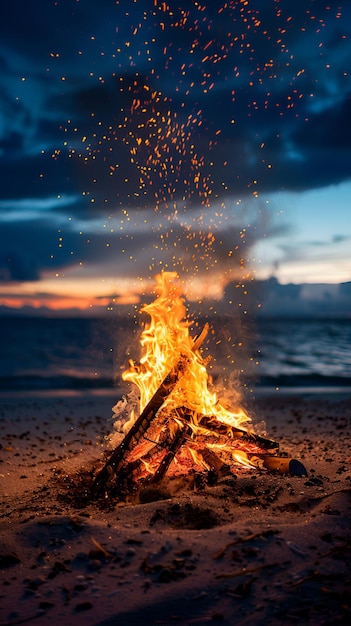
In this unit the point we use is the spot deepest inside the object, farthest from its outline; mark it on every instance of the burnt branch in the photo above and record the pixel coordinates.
(177, 442)
(142, 424)
(207, 423)
(139, 427)
(214, 425)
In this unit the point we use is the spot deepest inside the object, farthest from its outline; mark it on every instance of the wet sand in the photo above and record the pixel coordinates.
(255, 548)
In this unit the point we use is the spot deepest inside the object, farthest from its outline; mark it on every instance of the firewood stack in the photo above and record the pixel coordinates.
(173, 437)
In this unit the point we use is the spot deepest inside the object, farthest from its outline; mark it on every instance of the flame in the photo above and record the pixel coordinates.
(147, 466)
(241, 457)
(162, 341)
(197, 458)
(166, 339)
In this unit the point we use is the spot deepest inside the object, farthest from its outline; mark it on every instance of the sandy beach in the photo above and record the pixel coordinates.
(255, 548)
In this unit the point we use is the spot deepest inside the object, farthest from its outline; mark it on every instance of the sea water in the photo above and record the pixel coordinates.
(88, 355)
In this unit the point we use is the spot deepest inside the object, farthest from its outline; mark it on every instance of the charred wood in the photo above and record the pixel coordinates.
(214, 462)
(177, 442)
(139, 427)
(143, 422)
(136, 469)
(221, 428)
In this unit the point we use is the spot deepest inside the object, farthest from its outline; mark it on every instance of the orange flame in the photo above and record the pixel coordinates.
(164, 340)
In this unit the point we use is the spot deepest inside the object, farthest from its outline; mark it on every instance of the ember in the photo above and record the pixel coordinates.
(182, 427)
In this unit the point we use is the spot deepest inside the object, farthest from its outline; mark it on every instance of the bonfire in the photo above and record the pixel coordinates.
(173, 423)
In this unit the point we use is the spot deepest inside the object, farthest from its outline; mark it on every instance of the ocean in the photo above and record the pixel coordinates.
(87, 356)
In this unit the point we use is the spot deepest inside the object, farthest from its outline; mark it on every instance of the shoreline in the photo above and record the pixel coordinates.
(101, 392)
(255, 548)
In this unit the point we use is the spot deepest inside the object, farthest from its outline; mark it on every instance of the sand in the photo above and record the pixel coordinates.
(255, 548)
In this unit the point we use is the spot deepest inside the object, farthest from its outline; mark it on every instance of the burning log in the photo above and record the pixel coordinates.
(139, 427)
(177, 442)
(143, 422)
(251, 437)
(136, 469)
(221, 428)
(192, 411)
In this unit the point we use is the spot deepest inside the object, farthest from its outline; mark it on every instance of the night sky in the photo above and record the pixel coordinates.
(213, 139)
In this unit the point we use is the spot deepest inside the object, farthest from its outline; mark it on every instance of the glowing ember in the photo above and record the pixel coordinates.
(181, 425)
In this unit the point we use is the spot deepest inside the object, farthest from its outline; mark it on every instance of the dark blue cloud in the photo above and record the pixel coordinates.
(259, 94)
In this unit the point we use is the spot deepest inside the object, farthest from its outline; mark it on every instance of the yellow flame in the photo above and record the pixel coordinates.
(147, 466)
(164, 340)
(197, 458)
(241, 457)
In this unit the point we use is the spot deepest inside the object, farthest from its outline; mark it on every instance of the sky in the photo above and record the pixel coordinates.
(140, 136)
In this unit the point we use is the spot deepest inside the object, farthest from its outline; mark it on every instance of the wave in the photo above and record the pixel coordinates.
(47, 383)
(308, 380)
(88, 354)
(76, 383)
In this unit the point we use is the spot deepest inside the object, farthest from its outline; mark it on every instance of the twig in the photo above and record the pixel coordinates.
(201, 337)
(266, 533)
(248, 571)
